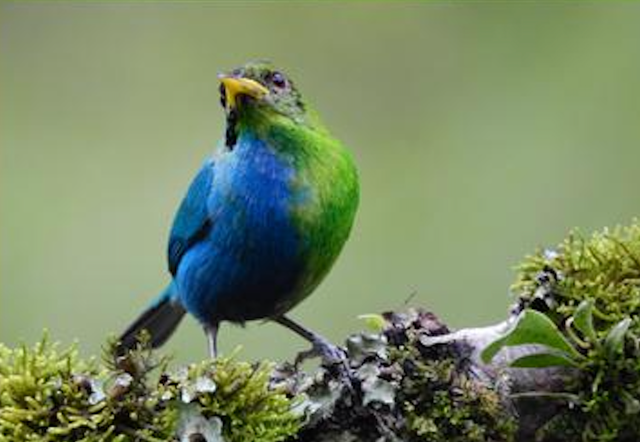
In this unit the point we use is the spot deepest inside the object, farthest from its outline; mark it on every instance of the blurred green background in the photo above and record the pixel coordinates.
(481, 132)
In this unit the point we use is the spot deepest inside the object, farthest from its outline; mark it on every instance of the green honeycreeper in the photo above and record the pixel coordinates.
(263, 220)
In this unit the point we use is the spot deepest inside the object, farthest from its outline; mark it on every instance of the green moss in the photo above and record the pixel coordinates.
(238, 393)
(597, 278)
(441, 403)
(47, 394)
(604, 267)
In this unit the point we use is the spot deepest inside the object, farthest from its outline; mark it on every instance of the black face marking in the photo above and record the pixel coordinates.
(231, 135)
(223, 95)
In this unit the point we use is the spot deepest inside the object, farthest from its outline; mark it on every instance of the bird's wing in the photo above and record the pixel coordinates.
(192, 221)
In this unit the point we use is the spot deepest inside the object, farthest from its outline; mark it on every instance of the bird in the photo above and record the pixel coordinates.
(262, 222)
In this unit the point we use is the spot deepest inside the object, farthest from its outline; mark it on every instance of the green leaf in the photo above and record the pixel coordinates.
(375, 323)
(531, 327)
(614, 340)
(583, 320)
(544, 360)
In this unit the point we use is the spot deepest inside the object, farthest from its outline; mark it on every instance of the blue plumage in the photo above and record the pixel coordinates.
(192, 221)
(248, 257)
(234, 251)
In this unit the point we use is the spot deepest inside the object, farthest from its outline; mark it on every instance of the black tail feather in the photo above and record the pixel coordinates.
(160, 321)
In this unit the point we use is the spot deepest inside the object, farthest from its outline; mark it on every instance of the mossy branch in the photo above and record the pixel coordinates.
(564, 366)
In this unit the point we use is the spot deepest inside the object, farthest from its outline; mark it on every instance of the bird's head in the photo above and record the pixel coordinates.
(258, 91)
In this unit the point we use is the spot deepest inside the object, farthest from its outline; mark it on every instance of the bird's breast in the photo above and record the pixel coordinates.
(249, 264)
(278, 225)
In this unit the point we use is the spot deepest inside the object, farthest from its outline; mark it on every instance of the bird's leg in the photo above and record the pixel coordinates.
(331, 354)
(211, 330)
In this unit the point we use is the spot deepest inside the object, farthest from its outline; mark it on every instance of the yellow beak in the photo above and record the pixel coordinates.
(234, 86)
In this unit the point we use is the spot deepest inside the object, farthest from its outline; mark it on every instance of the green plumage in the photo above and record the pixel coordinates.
(326, 181)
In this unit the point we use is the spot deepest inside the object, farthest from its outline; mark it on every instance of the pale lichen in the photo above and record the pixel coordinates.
(402, 389)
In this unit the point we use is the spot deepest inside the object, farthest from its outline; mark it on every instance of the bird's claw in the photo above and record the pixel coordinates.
(330, 354)
(334, 359)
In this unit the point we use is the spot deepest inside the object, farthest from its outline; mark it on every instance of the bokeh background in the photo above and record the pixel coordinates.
(481, 132)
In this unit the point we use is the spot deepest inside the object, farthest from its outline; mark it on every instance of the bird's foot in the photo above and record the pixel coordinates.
(331, 354)
(334, 360)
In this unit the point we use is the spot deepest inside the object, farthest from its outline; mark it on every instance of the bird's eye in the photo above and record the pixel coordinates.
(278, 80)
